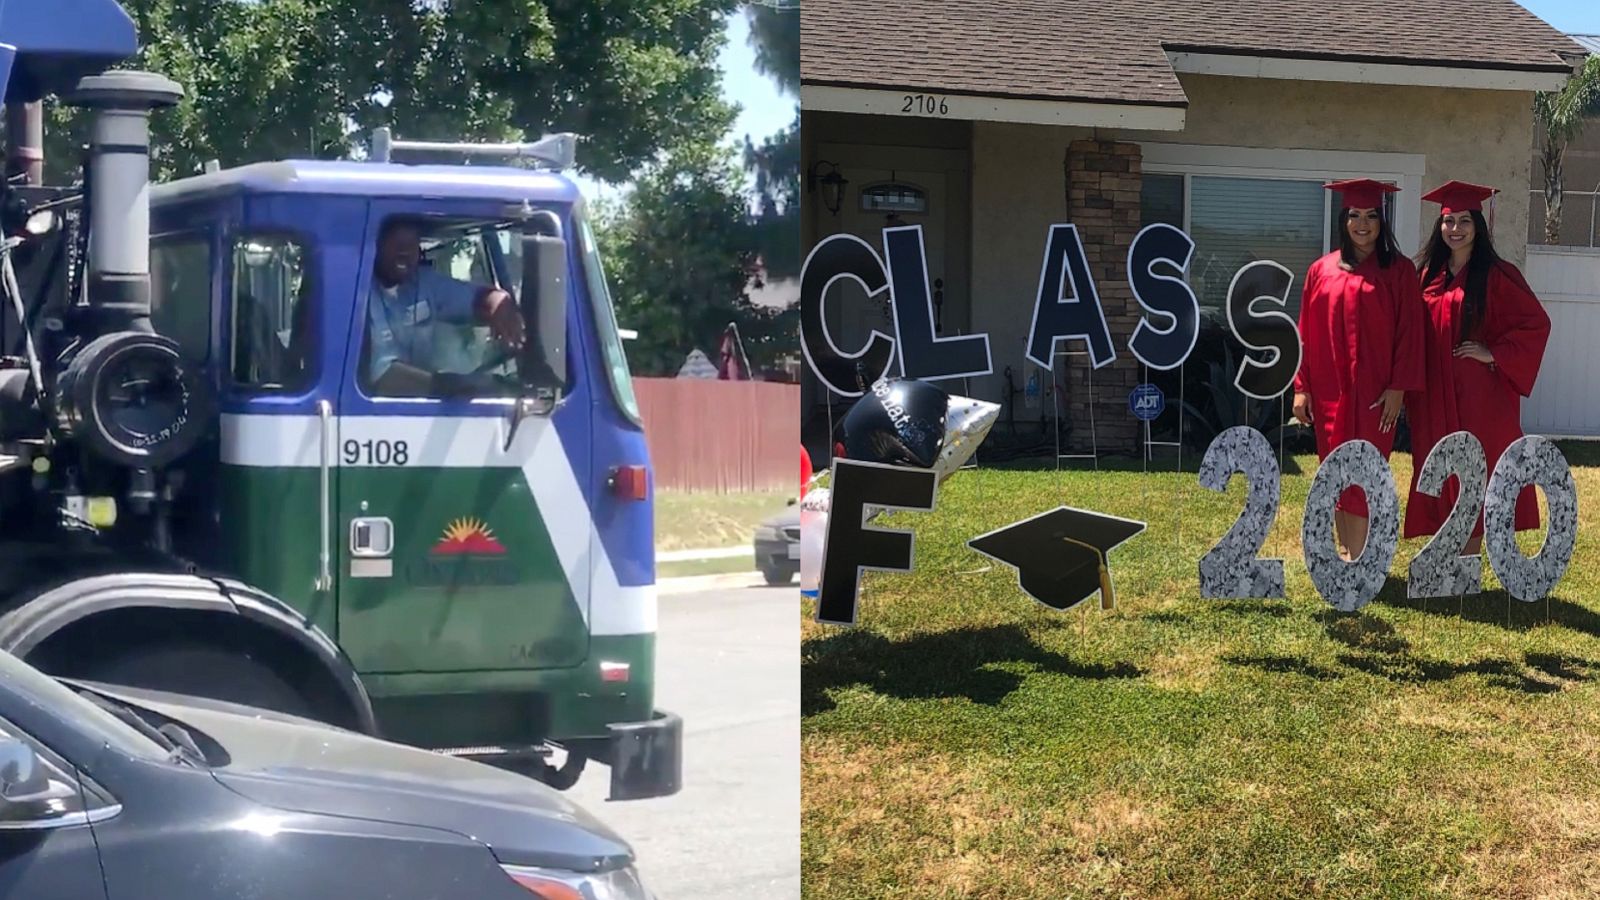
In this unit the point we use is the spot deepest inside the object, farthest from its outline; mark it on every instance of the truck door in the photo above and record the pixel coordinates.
(279, 378)
(462, 529)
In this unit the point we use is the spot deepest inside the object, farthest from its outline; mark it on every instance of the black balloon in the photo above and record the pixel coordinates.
(900, 422)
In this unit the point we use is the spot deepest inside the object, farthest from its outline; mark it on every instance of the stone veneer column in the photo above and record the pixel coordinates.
(1103, 184)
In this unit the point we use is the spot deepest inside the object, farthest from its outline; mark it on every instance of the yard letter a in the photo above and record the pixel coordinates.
(1058, 315)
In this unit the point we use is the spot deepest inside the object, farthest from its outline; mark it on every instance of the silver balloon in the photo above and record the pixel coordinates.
(966, 424)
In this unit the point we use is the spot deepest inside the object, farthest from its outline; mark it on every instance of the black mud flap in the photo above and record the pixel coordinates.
(646, 757)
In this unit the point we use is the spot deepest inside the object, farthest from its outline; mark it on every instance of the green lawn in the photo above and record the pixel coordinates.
(965, 741)
(696, 521)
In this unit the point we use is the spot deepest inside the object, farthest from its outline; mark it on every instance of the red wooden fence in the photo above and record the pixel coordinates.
(721, 436)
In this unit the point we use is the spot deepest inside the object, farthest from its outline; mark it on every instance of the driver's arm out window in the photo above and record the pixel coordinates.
(436, 346)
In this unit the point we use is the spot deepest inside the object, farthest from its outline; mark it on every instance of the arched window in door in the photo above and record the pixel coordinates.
(891, 197)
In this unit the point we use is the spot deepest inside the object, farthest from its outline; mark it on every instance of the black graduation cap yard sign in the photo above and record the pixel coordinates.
(1060, 556)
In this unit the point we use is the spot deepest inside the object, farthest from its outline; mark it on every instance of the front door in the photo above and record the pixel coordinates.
(880, 198)
(461, 531)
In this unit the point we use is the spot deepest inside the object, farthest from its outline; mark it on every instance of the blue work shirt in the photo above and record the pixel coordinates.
(401, 322)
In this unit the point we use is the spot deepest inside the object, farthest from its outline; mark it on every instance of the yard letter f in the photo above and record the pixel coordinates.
(851, 547)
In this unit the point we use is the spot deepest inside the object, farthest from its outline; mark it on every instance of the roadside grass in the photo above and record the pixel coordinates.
(720, 566)
(694, 521)
(964, 741)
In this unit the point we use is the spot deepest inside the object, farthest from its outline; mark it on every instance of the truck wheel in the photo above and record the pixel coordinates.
(200, 670)
(776, 576)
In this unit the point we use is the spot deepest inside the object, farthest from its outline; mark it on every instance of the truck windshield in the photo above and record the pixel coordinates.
(18, 677)
(605, 316)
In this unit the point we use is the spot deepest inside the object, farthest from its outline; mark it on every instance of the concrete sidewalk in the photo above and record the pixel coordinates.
(689, 584)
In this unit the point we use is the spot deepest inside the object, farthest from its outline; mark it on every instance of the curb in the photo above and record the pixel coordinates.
(667, 587)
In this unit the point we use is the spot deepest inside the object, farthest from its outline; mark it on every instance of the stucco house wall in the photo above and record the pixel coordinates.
(1019, 177)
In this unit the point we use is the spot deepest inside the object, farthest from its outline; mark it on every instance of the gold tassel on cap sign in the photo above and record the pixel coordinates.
(1108, 599)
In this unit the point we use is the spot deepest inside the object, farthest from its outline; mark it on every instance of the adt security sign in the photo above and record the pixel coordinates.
(1147, 402)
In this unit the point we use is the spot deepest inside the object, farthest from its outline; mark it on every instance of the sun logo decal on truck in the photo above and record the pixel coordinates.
(468, 536)
(466, 555)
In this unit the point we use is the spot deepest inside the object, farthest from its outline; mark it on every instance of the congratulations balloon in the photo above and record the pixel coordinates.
(897, 422)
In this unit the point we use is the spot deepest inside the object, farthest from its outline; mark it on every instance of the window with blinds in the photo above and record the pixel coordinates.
(1236, 221)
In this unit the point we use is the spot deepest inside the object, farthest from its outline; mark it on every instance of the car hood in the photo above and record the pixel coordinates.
(790, 516)
(297, 765)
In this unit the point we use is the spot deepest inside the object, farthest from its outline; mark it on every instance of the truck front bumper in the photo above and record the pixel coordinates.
(646, 758)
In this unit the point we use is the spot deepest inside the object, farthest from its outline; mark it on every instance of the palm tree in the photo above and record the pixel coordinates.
(1563, 116)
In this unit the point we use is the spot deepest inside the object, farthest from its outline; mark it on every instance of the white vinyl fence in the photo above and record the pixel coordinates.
(1566, 398)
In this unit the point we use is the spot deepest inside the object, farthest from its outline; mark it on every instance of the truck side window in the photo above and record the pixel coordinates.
(180, 291)
(274, 334)
(424, 335)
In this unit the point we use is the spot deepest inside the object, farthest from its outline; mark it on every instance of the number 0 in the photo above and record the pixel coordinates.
(1531, 460)
(1348, 586)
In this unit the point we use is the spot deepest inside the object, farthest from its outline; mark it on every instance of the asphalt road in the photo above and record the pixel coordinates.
(728, 661)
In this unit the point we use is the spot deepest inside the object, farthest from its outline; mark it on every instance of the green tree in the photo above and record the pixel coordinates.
(1563, 115)
(280, 78)
(775, 36)
(681, 255)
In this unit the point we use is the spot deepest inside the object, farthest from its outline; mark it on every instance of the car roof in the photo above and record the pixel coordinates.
(368, 179)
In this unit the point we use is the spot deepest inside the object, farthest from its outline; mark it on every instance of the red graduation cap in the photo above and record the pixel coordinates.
(1361, 193)
(1459, 196)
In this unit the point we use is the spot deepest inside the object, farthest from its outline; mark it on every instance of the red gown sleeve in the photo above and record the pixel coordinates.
(1517, 328)
(1307, 290)
(1407, 370)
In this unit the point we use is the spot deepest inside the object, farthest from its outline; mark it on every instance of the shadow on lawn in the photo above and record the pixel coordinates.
(1375, 648)
(1500, 609)
(944, 664)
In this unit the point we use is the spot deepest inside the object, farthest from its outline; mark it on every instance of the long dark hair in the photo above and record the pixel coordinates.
(1386, 249)
(1434, 261)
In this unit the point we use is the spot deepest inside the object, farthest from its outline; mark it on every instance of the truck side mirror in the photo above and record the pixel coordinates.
(544, 303)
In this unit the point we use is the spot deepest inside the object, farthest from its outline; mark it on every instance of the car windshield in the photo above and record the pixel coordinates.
(18, 676)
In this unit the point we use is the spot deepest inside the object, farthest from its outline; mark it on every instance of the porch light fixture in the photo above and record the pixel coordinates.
(832, 184)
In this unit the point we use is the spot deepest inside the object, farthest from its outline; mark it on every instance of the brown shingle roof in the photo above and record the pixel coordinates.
(1112, 50)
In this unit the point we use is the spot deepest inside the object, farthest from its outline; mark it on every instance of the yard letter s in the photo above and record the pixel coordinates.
(1168, 296)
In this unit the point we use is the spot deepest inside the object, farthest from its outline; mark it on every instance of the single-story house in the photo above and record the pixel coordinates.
(985, 121)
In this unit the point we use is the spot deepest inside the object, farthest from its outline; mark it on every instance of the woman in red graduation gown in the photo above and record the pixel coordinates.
(1485, 340)
(1361, 322)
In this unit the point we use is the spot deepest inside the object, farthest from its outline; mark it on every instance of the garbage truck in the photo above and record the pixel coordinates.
(227, 472)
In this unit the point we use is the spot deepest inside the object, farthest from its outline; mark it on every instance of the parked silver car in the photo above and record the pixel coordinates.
(777, 546)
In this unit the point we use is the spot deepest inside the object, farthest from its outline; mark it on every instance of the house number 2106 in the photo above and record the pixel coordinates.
(927, 104)
(1232, 569)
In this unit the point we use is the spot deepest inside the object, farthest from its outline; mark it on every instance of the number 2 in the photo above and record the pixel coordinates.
(1439, 569)
(1231, 568)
